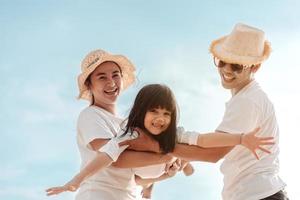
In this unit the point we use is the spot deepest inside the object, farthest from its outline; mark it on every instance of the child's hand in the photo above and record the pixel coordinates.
(252, 142)
(172, 169)
(71, 186)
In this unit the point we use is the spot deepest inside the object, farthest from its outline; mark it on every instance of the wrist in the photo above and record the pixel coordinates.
(241, 138)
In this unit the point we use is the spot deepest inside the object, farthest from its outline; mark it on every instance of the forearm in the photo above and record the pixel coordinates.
(218, 139)
(195, 153)
(148, 181)
(101, 161)
(132, 159)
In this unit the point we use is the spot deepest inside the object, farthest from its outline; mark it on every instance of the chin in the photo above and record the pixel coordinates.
(226, 86)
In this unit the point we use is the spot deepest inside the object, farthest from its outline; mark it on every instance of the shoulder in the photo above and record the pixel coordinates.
(91, 115)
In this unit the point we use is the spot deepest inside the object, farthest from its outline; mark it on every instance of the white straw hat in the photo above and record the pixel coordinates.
(245, 45)
(93, 60)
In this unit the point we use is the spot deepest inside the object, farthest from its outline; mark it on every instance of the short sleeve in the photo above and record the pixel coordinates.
(92, 125)
(240, 116)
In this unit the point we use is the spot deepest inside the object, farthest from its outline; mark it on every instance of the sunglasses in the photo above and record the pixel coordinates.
(234, 67)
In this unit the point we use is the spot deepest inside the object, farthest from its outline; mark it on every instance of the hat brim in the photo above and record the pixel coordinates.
(127, 68)
(216, 48)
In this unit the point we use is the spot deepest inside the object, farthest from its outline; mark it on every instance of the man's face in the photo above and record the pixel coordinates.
(233, 76)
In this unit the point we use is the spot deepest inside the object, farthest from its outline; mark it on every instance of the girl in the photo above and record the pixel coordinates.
(155, 113)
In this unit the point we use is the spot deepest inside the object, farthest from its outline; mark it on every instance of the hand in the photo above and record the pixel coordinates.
(71, 186)
(142, 143)
(172, 168)
(252, 142)
(187, 168)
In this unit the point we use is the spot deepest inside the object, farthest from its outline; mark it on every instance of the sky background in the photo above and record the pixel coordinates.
(42, 44)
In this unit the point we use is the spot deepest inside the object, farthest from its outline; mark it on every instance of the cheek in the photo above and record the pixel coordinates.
(168, 121)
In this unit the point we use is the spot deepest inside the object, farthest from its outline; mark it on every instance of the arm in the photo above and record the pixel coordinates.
(101, 161)
(171, 171)
(149, 181)
(195, 153)
(218, 139)
(132, 159)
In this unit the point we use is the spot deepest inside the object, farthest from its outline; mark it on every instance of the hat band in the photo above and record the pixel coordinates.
(96, 60)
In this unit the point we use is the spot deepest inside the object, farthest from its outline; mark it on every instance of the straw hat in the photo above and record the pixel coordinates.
(245, 45)
(93, 60)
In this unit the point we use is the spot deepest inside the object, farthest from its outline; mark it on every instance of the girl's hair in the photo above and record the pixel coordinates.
(150, 97)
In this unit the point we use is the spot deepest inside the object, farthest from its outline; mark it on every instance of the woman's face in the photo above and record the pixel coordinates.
(157, 120)
(106, 84)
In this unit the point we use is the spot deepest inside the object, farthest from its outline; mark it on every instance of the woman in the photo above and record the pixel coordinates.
(102, 79)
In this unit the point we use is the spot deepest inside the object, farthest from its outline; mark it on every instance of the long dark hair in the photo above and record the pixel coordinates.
(150, 97)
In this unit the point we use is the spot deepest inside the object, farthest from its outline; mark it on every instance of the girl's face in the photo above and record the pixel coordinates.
(106, 84)
(157, 120)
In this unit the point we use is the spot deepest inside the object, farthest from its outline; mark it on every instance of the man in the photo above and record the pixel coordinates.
(238, 56)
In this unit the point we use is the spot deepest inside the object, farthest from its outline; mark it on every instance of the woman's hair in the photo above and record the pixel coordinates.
(150, 97)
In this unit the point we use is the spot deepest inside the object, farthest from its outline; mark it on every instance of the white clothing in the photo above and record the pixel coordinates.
(112, 148)
(151, 171)
(110, 183)
(245, 177)
(187, 137)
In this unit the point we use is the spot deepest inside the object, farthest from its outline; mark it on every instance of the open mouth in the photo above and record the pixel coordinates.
(227, 78)
(158, 126)
(113, 91)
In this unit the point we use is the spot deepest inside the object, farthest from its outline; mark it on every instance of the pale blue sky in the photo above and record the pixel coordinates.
(43, 42)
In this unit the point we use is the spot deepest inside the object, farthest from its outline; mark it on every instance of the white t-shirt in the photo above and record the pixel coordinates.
(110, 183)
(245, 177)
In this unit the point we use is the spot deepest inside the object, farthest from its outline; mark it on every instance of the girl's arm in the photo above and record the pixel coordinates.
(171, 171)
(149, 181)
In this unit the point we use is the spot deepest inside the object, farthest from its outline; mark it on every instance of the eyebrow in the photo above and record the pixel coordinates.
(102, 73)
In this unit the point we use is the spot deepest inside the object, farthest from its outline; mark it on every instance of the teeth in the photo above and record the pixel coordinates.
(110, 91)
(228, 78)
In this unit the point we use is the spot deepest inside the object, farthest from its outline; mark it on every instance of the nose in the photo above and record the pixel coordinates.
(227, 68)
(159, 120)
(110, 81)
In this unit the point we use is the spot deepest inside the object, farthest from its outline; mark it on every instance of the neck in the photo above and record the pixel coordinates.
(234, 91)
(110, 108)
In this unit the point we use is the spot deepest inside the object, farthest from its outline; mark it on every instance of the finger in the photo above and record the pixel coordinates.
(266, 143)
(53, 189)
(256, 129)
(178, 162)
(266, 138)
(264, 150)
(183, 165)
(126, 142)
(175, 166)
(255, 154)
(168, 165)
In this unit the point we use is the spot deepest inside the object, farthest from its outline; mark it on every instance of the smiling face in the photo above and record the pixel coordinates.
(234, 79)
(105, 84)
(157, 120)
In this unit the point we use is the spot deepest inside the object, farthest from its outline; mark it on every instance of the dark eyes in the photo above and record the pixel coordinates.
(156, 111)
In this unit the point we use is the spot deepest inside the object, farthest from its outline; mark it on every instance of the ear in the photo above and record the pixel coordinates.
(254, 68)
